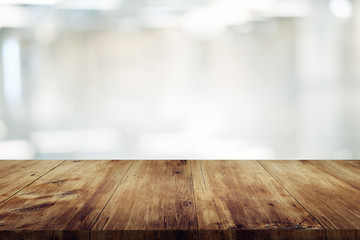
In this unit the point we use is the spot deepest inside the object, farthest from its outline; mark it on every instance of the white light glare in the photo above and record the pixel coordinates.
(12, 71)
(341, 8)
(29, 2)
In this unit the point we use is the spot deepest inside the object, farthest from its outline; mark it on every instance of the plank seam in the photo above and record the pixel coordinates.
(8, 198)
(341, 170)
(193, 190)
(97, 218)
(293, 197)
(202, 174)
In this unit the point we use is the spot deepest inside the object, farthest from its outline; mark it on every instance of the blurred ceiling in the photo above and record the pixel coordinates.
(95, 14)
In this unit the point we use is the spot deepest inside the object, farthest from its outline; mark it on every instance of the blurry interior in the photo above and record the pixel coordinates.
(199, 79)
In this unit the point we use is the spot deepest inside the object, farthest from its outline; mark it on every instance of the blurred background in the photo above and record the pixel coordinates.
(200, 79)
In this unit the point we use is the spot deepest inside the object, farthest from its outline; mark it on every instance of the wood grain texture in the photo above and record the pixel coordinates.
(240, 200)
(330, 190)
(154, 201)
(16, 174)
(63, 204)
(179, 199)
(345, 168)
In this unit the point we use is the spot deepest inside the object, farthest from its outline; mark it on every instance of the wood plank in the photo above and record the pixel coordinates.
(63, 204)
(330, 194)
(240, 200)
(345, 168)
(16, 174)
(154, 201)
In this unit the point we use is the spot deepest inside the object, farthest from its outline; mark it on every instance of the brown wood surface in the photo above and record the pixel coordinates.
(239, 196)
(179, 199)
(16, 174)
(64, 203)
(155, 200)
(329, 190)
(346, 169)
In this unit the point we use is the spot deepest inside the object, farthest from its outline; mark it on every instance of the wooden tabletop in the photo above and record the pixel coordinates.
(179, 199)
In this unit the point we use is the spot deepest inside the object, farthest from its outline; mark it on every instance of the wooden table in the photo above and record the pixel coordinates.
(179, 199)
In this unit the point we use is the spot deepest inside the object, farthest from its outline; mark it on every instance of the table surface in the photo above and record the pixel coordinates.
(179, 199)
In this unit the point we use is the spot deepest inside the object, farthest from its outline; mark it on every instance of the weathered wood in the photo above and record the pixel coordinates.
(16, 174)
(240, 200)
(329, 190)
(63, 204)
(179, 200)
(344, 169)
(154, 201)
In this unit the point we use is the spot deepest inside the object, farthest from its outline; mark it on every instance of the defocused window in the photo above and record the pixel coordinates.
(225, 79)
